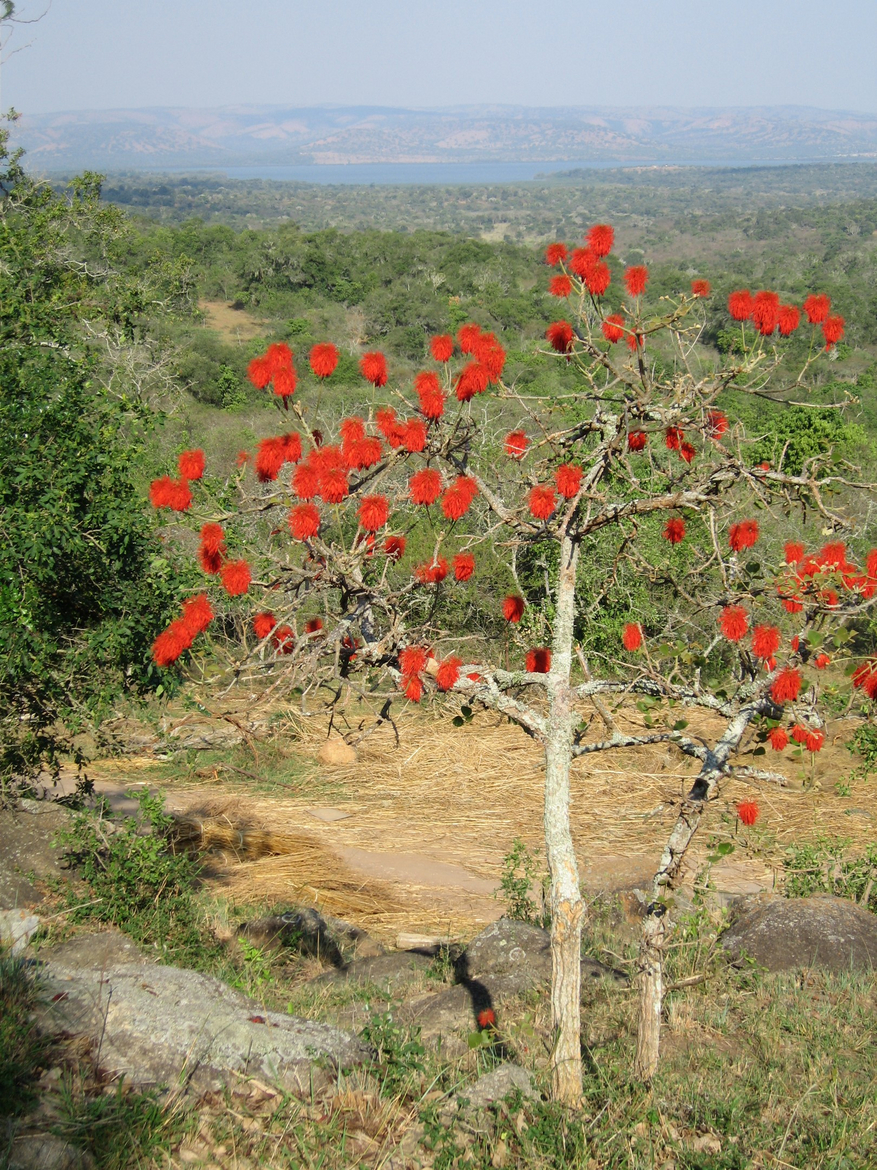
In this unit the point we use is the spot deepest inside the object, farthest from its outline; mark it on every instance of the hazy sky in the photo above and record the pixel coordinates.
(99, 54)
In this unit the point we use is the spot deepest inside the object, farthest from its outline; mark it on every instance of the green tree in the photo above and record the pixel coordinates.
(83, 578)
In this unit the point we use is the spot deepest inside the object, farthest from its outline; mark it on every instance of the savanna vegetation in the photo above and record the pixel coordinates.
(126, 339)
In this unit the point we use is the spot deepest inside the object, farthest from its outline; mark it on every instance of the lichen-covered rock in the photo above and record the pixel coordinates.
(159, 1025)
(783, 934)
(497, 1084)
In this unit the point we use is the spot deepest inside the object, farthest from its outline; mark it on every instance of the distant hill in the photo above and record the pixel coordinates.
(260, 135)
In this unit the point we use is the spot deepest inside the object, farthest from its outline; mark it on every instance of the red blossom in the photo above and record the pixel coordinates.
(600, 239)
(171, 643)
(442, 347)
(765, 312)
(516, 444)
(635, 341)
(635, 279)
(865, 677)
(263, 624)
(283, 639)
(412, 660)
(458, 497)
(613, 328)
(394, 546)
(743, 535)
(413, 689)
(700, 288)
(513, 608)
(428, 388)
(789, 319)
(374, 512)
(352, 429)
(779, 740)
(538, 661)
(583, 262)
(313, 625)
(598, 279)
(278, 356)
(242, 458)
(389, 426)
(285, 382)
(197, 614)
(716, 424)
(832, 330)
(632, 637)
(814, 741)
(467, 337)
(817, 307)
(170, 493)
(333, 484)
(473, 379)
(821, 661)
(324, 359)
(637, 441)
(191, 464)
(414, 435)
(425, 486)
(794, 552)
(213, 538)
(765, 641)
(542, 501)
(305, 481)
(687, 451)
(560, 286)
(464, 566)
(304, 521)
(674, 531)
(373, 367)
(673, 437)
(733, 622)
(270, 457)
(487, 1018)
(799, 733)
(431, 572)
(786, 686)
(747, 811)
(568, 478)
(235, 577)
(560, 334)
(259, 372)
(555, 254)
(740, 304)
(448, 672)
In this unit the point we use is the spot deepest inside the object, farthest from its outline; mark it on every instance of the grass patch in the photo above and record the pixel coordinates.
(22, 1049)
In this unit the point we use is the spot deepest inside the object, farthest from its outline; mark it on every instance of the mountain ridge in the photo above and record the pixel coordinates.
(241, 135)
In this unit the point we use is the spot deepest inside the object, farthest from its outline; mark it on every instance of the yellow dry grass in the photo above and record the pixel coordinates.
(460, 797)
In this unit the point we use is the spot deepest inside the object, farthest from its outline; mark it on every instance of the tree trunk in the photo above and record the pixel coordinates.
(566, 898)
(651, 954)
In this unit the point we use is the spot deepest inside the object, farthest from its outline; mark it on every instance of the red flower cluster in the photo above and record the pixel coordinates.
(304, 521)
(191, 464)
(513, 608)
(865, 678)
(271, 454)
(212, 549)
(733, 622)
(464, 566)
(324, 359)
(429, 393)
(442, 347)
(394, 547)
(373, 367)
(425, 486)
(568, 478)
(747, 811)
(170, 493)
(637, 441)
(779, 739)
(448, 672)
(700, 288)
(635, 279)
(765, 641)
(591, 270)
(632, 638)
(613, 328)
(235, 577)
(538, 661)
(555, 254)
(674, 531)
(432, 571)
(412, 661)
(516, 444)
(171, 643)
(786, 686)
(560, 286)
(374, 512)
(274, 366)
(560, 334)
(542, 501)
(743, 535)
(457, 499)
(600, 239)
(263, 624)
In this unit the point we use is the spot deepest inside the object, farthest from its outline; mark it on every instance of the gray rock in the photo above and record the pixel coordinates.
(100, 949)
(17, 928)
(158, 1025)
(509, 957)
(782, 934)
(497, 1084)
(313, 933)
(26, 835)
(44, 1152)
(446, 1012)
(389, 973)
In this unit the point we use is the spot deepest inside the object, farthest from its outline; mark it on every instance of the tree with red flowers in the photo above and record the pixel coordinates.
(643, 468)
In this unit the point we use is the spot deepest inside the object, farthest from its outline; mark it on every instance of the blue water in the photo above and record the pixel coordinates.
(392, 174)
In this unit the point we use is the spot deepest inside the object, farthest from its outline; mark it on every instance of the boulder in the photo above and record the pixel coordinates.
(445, 1013)
(782, 934)
(308, 931)
(509, 957)
(44, 1152)
(497, 1084)
(17, 928)
(164, 1026)
(27, 852)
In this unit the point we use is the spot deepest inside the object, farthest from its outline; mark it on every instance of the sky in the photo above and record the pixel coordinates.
(106, 54)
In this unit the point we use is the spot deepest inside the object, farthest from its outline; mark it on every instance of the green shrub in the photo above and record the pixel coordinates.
(21, 1047)
(825, 867)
